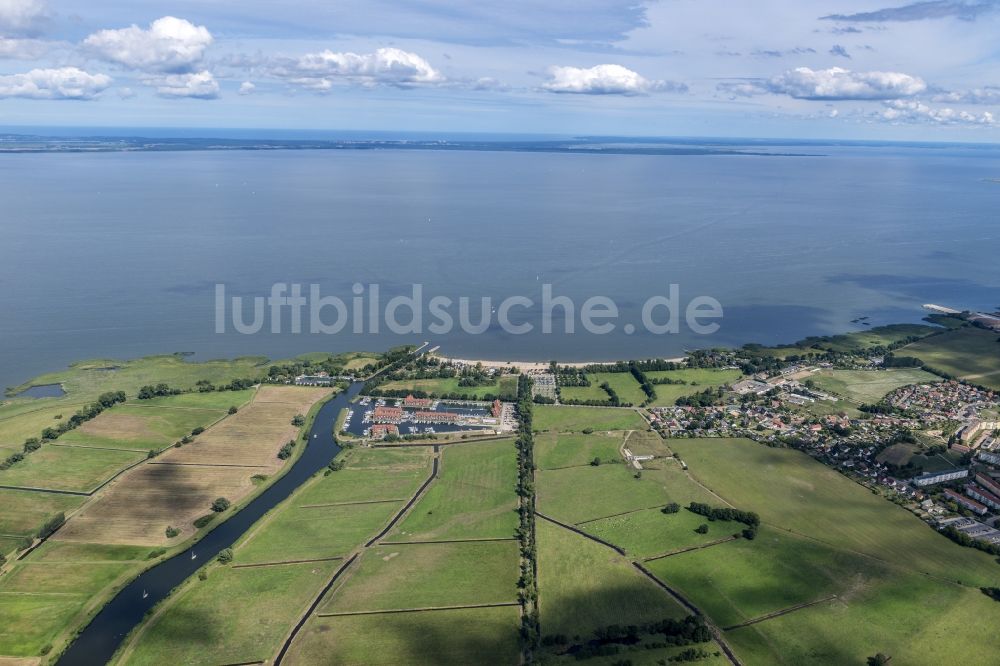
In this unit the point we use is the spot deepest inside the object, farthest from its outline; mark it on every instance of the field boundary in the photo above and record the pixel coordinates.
(254, 565)
(413, 500)
(496, 604)
(321, 506)
(691, 548)
(779, 613)
(616, 515)
(681, 599)
(312, 608)
(599, 540)
(473, 540)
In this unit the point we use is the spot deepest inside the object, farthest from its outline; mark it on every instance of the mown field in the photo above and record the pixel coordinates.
(966, 353)
(335, 515)
(505, 387)
(576, 419)
(73, 468)
(471, 498)
(584, 586)
(555, 450)
(823, 535)
(868, 386)
(695, 380)
(55, 588)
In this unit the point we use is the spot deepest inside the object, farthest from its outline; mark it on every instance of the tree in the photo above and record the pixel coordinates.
(220, 504)
(233, 410)
(673, 507)
(298, 420)
(172, 531)
(702, 529)
(596, 462)
(225, 555)
(878, 660)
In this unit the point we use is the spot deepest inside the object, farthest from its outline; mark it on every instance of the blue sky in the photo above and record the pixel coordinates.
(927, 70)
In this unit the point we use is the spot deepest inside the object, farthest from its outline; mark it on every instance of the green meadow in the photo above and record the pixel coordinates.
(869, 386)
(557, 418)
(695, 380)
(68, 468)
(394, 576)
(504, 387)
(571, 450)
(473, 496)
(966, 353)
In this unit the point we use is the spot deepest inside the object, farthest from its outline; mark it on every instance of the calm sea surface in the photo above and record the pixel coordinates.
(117, 255)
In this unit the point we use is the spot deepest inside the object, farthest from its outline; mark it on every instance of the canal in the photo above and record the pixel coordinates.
(98, 642)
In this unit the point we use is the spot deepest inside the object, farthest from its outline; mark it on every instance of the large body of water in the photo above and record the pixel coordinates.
(118, 254)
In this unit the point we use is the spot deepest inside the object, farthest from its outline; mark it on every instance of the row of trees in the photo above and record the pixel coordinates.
(88, 412)
(527, 583)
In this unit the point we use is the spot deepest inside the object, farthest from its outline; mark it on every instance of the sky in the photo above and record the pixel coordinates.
(864, 69)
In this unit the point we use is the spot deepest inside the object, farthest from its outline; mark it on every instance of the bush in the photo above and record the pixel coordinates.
(153, 554)
(202, 575)
(197, 431)
(225, 555)
(673, 507)
(702, 529)
(220, 504)
(203, 520)
(233, 410)
(596, 462)
(51, 525)
(298, 420)
(172, 532)
(285, 452)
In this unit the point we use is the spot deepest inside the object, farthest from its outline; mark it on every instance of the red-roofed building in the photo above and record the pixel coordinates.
(983, 495)
(411, 401)
(382, 430)
(970, 504)
(388, 414)
(435, 417)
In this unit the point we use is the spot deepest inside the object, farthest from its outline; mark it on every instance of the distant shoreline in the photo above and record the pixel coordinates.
(528, 366)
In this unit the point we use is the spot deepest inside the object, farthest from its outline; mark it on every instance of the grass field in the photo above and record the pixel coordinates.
(207, 622)
(575, 419)
(967, 353)
(68, 468)
(914, 620)
(869, 386)
(87, 379)
(578, 494)
(21, 419)
(504, 387)
(179, 485)
(650, 533)
(25, 511)
(824, 535)
(216, 400)
(791, 490)
(426, 575)
(696, 380)
(56, 586)
(592, 392)
(569, 450)
(787, 486)
(443, 638)
(473, 496)
(740, 580)
(584, 586)
(623, 383)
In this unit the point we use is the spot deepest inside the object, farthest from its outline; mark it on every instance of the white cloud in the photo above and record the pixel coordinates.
(21, 16)
(247, 88)
(61, 83)
(900, 110)
(386, 66)
(23, 49)
(199, 85)
(838, 83)
(169, 45)
(604, 80)
(984, 95)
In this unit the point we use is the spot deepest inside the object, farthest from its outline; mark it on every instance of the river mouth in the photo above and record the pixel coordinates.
(99, 640)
